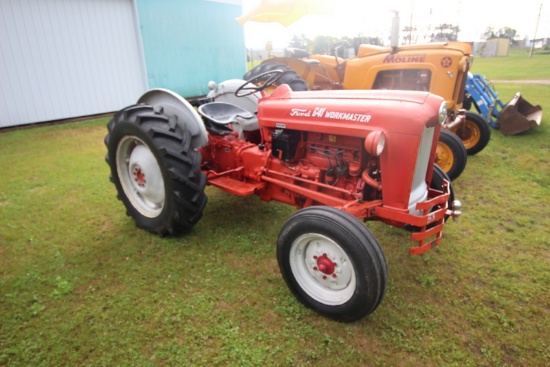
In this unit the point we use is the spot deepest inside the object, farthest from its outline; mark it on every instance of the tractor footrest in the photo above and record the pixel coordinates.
(236, 187)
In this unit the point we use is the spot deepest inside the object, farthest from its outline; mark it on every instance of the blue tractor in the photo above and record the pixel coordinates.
(511, 118)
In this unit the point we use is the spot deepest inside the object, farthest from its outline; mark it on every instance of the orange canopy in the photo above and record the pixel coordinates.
(285, 12)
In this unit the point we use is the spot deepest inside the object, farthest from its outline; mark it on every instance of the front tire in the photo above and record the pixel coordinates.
(451, 154)
(155, 170)
(332, 263)
(436, 183)
(474, 134)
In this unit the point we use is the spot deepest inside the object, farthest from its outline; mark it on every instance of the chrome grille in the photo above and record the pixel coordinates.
(419, 189)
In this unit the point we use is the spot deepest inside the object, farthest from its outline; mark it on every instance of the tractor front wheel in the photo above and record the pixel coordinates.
(332, 263)
(451, 154)
(437, 183)
(475, 133)
(155, 170)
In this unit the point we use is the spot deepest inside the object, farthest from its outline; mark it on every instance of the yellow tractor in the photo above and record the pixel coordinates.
(440, 68)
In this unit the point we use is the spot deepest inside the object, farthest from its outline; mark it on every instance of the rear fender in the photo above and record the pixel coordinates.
(175, 105)
(306, 68)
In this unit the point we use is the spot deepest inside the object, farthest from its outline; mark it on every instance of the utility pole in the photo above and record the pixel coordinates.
(536, 29)
(411, 22)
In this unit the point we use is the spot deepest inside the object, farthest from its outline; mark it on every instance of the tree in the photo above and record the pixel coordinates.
(445, 32)
(410, 35)
(323, 44)
(505, 32)
(298, 42)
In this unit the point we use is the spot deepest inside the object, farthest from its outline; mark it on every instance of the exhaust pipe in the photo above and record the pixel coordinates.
(394, 40)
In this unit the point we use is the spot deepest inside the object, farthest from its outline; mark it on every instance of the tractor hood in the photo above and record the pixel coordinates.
(369, 50)
(350, 112)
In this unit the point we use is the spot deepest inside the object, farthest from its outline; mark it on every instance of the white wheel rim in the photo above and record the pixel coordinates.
(322, 269)
(140, 176)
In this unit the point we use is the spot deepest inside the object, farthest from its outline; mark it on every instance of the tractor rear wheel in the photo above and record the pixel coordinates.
(332, 263)
(155, 170)
(451, 154)
(475, 133)
(290, 77)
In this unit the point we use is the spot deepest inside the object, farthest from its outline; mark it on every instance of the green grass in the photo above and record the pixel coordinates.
(517, 66)
(80, 285)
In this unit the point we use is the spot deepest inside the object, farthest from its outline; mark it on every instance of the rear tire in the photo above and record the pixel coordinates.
(155, 170)
(475, 134)
(290, 77)
(332, 263)
(451, 154)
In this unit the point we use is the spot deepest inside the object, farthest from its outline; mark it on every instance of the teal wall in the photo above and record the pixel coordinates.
(187, 43)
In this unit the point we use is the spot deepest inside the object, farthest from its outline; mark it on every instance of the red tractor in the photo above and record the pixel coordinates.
(340, 157)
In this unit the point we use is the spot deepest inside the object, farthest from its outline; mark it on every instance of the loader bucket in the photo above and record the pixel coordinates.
(518, 116)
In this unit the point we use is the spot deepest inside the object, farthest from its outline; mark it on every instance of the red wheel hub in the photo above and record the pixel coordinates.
(325, 265)
(139, 176)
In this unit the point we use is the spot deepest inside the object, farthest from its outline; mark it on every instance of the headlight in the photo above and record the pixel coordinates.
(375, 143)
(442, 113)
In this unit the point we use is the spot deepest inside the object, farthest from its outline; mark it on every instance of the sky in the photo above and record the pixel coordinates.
(360, 17)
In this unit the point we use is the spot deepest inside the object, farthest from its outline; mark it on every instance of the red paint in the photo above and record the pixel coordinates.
(330, 132)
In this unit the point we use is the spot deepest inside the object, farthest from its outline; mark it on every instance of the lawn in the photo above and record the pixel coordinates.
(80, 285)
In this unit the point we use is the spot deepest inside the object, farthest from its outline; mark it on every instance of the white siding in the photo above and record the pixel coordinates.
(67, 58)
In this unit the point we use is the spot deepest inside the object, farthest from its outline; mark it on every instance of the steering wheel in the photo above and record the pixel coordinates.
(265, 79)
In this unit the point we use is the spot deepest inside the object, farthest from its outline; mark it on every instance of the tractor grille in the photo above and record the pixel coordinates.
(419, 189)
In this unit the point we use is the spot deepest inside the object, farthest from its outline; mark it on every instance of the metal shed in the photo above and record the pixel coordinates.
(187, 43)
(68, 58)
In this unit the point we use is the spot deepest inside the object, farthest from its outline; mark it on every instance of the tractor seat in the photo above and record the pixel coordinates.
(296, 53)
(224, 113)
